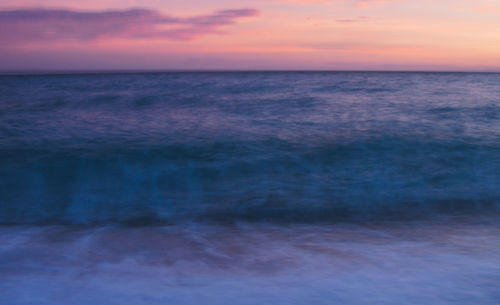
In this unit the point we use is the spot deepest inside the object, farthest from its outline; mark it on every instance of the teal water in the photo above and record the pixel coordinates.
(250, 188)
(291, 146)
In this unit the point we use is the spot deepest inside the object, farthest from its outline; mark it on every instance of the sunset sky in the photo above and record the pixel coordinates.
(250, 34)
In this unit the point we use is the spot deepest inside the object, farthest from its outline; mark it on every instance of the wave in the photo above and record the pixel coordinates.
(277, 147)
(273, 180)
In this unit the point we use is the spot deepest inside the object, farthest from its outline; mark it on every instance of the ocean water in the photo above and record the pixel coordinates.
(99, 149)
(250, 188)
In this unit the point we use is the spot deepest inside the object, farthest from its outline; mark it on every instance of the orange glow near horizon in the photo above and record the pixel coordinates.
(257, 34)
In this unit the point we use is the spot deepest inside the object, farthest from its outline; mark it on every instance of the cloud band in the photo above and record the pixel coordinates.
(48, 24)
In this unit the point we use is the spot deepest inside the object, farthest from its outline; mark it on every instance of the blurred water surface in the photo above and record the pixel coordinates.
(250, 188)
(271, 146)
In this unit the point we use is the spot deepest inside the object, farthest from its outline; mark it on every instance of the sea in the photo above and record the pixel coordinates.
(261, 187)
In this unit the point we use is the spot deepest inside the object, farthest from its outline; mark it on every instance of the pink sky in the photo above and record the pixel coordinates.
(250, 34)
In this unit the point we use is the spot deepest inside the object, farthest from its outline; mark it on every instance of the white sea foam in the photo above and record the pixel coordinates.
(432, 262)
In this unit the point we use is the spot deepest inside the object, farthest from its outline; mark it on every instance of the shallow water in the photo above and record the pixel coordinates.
(443, 261)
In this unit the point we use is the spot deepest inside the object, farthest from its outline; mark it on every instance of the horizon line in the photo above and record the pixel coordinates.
(159, 71)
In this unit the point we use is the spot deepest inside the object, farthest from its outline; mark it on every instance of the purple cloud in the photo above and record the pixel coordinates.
(50, 24)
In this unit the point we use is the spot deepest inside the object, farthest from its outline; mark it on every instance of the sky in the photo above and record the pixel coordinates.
(444, 35)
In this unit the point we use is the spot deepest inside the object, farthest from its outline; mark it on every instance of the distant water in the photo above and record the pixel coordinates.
(296, 188)
(293, 147)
